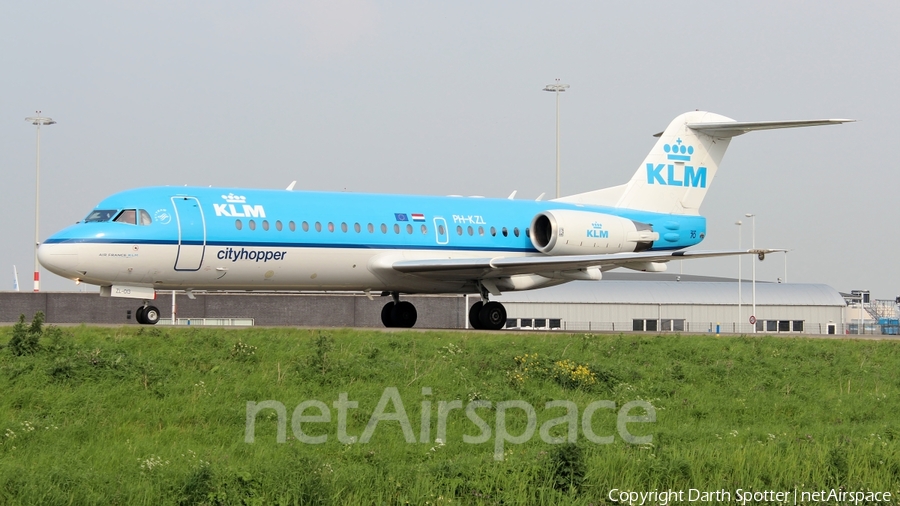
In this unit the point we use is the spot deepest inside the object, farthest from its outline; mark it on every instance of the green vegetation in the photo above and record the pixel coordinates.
(158, 416)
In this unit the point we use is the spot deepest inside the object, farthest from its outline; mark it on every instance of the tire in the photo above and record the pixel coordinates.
(386, 315)
(151, 315)
(139, 315)
(492, 316)
(404, 314)
(474, 312)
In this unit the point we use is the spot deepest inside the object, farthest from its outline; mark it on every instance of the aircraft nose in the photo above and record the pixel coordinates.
(60, 258)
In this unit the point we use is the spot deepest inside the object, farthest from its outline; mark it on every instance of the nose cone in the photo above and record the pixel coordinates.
(60, 258)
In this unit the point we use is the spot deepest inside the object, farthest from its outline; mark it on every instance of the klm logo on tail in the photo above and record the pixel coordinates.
(677, 174)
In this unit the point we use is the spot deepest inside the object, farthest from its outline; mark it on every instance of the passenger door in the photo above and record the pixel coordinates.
(191, 233)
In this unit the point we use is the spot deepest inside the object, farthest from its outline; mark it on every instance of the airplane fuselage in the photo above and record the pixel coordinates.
(239, 239)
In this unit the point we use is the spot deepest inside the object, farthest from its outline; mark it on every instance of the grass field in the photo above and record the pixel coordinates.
(159, 416)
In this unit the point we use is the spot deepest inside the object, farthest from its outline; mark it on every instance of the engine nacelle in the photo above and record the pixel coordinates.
(569, 232)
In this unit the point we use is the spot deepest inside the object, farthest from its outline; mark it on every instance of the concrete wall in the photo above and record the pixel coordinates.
(325, 310)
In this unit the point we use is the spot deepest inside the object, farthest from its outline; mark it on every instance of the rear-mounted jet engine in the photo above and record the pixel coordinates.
(566, 232)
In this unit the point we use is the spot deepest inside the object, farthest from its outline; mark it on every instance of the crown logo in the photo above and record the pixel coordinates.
(678, 151)
(235, 199)
(596, 224)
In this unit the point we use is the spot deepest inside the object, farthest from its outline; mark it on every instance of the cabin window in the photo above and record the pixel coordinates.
(252, 225)
(504, 232)
(516, 231)
(357, 228)
(145, 217)
(343, 227)
(370, 228)
(383, 228)
(318, 227)
(493, 232)
(330, 226)
(480, 230)
(305, 226)
(527, 232)
(238, 225)
(469, 229)
(128, 216)
(409, 229)
(278, 225)
(424, 229)
(458, 230)
(265, 225)
(100, 215)
(441, 230)
(292, 226)
(396, 228)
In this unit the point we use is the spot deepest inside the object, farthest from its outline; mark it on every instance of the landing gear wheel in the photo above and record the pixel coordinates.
(151, 315)
(139, 315)
(386, 314)
(404, 314)
(474, 311)
(492, 316)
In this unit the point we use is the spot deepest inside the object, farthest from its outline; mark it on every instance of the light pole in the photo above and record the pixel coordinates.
(740, 265)
(753, 228)
(38, 121)
(557, 88)
(785, 266)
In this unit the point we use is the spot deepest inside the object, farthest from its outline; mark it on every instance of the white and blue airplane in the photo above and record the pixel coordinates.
(187, 238)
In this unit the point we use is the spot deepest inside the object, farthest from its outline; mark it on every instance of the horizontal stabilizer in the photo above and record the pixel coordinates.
(735, 128)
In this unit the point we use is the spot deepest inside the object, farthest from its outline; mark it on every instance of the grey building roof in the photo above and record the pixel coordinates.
(617, 291)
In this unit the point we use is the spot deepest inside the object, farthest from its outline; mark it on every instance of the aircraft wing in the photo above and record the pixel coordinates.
(550, 266)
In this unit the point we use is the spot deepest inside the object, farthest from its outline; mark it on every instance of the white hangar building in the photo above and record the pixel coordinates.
(671, 303)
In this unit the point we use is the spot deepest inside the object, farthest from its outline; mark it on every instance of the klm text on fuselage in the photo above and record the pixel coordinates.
(669, 174)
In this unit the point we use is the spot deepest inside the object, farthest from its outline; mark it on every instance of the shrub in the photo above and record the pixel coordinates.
(25, 340)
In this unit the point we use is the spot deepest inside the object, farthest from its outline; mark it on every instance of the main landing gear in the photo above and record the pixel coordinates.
(398, 313)
(147, 315)
(483, 315)
(487, 315)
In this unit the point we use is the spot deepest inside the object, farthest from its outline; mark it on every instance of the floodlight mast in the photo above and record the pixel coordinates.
(739, 223)
(38, 121)
(557, 88)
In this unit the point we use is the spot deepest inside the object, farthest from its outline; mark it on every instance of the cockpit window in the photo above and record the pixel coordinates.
(127, 216)
(145, 217)
(100, 215)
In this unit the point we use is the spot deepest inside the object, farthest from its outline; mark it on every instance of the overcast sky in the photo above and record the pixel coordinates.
(445, 98)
